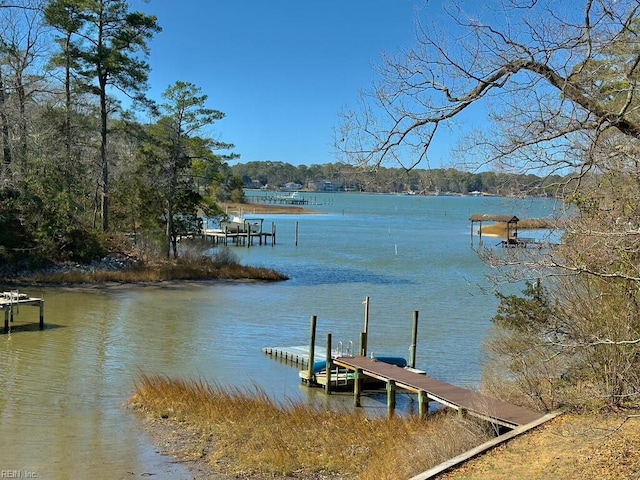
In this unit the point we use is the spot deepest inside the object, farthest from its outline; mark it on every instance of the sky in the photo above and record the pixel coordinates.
(280, 70)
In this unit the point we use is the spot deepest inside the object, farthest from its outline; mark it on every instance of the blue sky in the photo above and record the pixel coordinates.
(280, 70)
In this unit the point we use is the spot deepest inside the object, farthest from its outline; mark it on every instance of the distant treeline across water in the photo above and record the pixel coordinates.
(343, 177)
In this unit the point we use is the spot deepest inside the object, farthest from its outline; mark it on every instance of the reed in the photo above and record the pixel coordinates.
(201, 268)
(250, 434)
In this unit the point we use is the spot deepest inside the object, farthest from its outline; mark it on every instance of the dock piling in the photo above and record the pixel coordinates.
(357, 386)
(312, 344)
(329, 365)
(363, 337)
(414, 340)
(391, 396)
(423, 404)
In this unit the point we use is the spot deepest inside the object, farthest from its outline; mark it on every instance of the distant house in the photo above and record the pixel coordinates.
(327, 186)
(291, 187)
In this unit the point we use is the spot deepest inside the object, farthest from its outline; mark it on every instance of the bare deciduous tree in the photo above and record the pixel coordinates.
(559, 83)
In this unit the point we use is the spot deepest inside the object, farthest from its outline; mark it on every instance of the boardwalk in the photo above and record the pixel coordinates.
(461, 399)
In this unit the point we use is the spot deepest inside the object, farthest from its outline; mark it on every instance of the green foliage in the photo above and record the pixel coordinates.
(527, 314)
(384, 180)
(171, 156)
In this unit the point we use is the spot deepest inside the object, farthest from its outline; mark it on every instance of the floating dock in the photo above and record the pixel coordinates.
(296, 356)
(11, 301)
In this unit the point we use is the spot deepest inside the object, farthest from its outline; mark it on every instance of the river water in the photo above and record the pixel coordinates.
(62, 412)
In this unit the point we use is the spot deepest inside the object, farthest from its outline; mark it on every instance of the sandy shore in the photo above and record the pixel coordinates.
(257, 208)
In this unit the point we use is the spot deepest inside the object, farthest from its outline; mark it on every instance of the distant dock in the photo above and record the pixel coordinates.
(292, 198)
(242, 236)
(11, 301)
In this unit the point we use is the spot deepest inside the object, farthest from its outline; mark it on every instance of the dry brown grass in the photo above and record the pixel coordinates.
(202, 268)
(246, 433)
(571, 447)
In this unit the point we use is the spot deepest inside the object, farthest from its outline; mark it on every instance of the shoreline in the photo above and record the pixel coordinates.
(257, 208)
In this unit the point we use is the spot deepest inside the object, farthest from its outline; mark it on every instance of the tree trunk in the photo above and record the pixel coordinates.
(6, 146)
(103, 153)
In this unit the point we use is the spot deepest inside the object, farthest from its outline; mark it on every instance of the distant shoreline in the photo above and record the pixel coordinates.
(258, 208)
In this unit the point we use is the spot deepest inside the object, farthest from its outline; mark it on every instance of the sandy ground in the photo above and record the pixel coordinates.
(257, 208)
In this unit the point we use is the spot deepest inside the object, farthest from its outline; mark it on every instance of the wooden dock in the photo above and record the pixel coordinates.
(289, 199)
(11, 301)
(429, 389)
(226, 237)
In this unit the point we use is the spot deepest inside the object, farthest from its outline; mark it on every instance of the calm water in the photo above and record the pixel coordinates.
(63, 389)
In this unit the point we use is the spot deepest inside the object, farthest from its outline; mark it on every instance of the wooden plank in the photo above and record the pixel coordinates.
(480, 449)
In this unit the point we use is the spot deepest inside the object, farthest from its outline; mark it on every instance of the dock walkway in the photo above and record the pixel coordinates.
(461, 399)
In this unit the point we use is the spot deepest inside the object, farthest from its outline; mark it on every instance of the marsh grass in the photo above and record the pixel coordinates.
(186, 268)
(251, 434)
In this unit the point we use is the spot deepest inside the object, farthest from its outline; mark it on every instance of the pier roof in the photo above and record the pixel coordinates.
(486, 217)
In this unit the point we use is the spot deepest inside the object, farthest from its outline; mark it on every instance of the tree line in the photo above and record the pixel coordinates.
(344, 176)
(80, 174)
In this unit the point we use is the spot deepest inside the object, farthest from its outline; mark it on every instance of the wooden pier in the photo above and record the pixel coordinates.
(240, 237)
(429, 389)
(11, 301)
(288, 199)
(342, 368)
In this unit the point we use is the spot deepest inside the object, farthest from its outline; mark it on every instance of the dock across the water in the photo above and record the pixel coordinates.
(10, 301)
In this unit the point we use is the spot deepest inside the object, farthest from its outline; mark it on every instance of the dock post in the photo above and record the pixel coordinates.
(312, 345)
(296, 233)
(365, 331)
(273, 234)
(357, 386)
(41, 323)
(391, 396)
(414, 341)
(6, 320)
(329, 366)
(423, 404)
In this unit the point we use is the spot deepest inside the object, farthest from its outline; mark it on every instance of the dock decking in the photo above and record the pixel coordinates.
(461, 399)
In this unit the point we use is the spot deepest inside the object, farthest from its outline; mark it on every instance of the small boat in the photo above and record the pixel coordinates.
(239, 224)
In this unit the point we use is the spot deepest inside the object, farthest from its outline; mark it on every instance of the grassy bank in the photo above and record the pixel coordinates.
(220, 267)
(233, 432)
